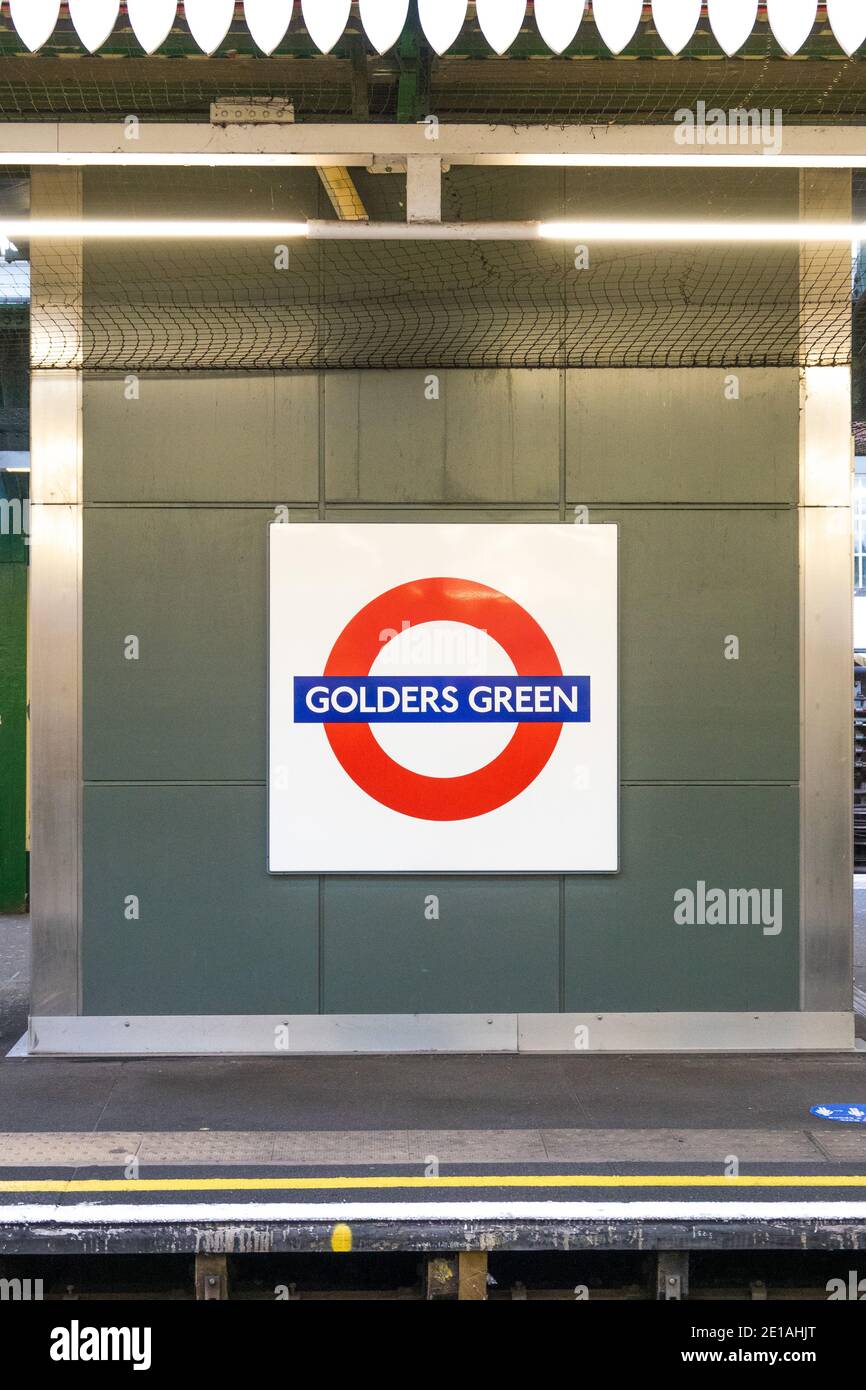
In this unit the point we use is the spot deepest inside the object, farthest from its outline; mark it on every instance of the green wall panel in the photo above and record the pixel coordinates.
(689, 580)
(494, 948)
(706, 193)
(151, 191)
(490, 436)
(663, 436)
(194, 706)
(175, 550)
(496, 192)
(203, 437)
(191, 584)
(623, 949)
(216, 933)
(437, 516)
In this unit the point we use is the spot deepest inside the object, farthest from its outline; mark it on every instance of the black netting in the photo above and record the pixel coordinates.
(457, 305)
(191, 305)
(185, 306)
(499, 91)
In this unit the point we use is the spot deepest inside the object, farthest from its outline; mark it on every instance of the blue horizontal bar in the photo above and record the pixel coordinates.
(441, 699)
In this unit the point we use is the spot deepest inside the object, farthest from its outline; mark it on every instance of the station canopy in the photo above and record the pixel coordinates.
(554, 63)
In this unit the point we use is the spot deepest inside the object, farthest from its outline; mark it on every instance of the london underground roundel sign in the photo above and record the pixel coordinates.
(528, 750)
(443, 698)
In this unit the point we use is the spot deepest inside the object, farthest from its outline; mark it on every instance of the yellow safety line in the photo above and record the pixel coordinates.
(331, 1184)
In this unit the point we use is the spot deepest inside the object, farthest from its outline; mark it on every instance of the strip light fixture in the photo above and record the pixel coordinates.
(74, 229)
(260, 159)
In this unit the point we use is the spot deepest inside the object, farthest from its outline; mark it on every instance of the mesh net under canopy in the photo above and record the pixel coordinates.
(373, 304)
(500, 91)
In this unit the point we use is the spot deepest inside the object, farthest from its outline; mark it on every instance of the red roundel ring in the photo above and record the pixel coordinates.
(443, 798)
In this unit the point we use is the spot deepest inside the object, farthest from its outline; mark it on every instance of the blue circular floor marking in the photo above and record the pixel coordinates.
(844, 1114)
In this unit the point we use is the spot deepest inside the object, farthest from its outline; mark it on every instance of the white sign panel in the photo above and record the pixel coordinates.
(443, 698)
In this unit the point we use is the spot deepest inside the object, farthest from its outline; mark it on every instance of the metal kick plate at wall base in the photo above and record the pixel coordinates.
(263, 1035)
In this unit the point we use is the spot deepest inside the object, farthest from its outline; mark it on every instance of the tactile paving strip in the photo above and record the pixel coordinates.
(328, 1148)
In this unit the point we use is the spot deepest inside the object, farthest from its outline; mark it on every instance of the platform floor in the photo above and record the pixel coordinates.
(431, 1152)
(449, 1152)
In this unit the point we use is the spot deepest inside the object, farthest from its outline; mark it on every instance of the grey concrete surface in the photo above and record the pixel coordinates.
(392, 1148)
(256, 1148)
(416, 1093)
(14, 979)
(470, 1093)
(860, 952)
